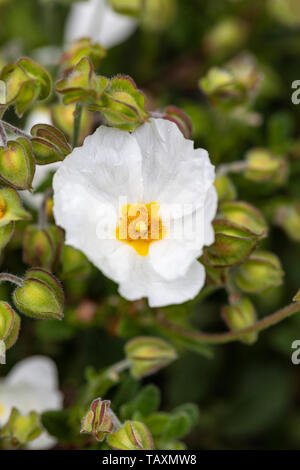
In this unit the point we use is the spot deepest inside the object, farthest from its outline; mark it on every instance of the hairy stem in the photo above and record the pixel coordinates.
(219, 338)
(234, 167)
(76, 124)
(15, 130)
(119, 366)
(11, 278)
(3, 135)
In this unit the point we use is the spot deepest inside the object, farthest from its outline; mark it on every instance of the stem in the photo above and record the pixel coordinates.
(219, 338)
(76, 124)
(11, 278)
(3, 135)
(15, 130)
(234, 167)
(120, 366)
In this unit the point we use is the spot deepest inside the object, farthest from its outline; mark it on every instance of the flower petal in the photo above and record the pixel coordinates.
(36, 371)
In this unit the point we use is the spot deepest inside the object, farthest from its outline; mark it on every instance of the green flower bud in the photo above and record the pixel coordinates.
(49, 144)
(179, 117)
(42, 247)
(9, 324)
(74, 263)
(226, 36)
(122, 105)
(133, 435)
(148, 355)
(232, 244)
(225, 189)
(239, 315)
(21, 429)
(40, 295)
(98, 421)
(259, 272)
(25, 81)
(219, 85)
(11, 209)
(245, 216)
(17, 165)
(263, 166)
(288, 218)
(81, 84)
(83, 48)
(63, 118)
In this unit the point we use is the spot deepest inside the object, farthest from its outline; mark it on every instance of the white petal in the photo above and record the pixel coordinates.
(97, 20)
(43, 442)
(36, 371)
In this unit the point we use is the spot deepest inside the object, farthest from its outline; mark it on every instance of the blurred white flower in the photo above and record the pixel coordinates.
(97, 20)
(31, 385)
(105, 191)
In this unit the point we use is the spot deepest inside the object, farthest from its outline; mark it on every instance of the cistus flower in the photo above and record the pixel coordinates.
(97, 20)
(31, 385)
(140, 206)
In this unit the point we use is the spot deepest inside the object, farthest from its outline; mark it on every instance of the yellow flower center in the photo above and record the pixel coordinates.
(140, 225)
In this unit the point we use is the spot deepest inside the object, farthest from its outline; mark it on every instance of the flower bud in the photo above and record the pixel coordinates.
(245, 216)
(179, 117)
(133, 435)
(63, 118)
(25, 81)
(263, 166)
(40, 295)
(49, 144)
(147, 355)
(219, 85)
(83, 48)
(11, 209)
(259, 272)
(74, 263)
(21, 429)
(82, 84)
(287, 217)
(239, 315)
(17, 165)
(123, 105)
(98, 420)
(9, 324)
(225, 36)
(225, 189)
(42, 247)
(232, 244)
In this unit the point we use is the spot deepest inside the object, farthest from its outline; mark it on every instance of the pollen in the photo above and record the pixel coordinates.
(140, 225)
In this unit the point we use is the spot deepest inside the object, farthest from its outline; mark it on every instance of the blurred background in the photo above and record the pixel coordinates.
(248, 396)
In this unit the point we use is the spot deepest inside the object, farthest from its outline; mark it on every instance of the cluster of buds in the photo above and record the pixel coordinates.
(25, 82)
(22, 429)
(9, 324)
(101, 422)
(234, 85)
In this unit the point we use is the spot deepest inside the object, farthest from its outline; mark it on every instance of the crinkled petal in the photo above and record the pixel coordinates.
(37, 371)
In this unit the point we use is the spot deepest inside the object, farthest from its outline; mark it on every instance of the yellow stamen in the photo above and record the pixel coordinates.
(140, 225)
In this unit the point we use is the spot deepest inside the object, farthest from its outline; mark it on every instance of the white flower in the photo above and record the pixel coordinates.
(97, 20)
(31, 385)
(96, 192)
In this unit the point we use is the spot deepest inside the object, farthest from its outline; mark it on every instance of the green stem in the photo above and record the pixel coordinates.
(219, 338)
(76, 124)
(11, 278)
(119, 367)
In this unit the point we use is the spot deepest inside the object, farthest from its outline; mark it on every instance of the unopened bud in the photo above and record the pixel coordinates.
(17, 165)
(98, 421)
(83, 48)
(42, 247)
(40, 295)
(246, 216)
(133, 435)
(9, 324)
(147, 355)
(21, 429)
(225, 189)
(49, 144)
(239, 315)
(179, 117)
(11, 209)
(263, 166)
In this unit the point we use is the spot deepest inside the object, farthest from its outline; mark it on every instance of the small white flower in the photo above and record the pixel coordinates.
(32, 385)
(104, 192)
(97, 20)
